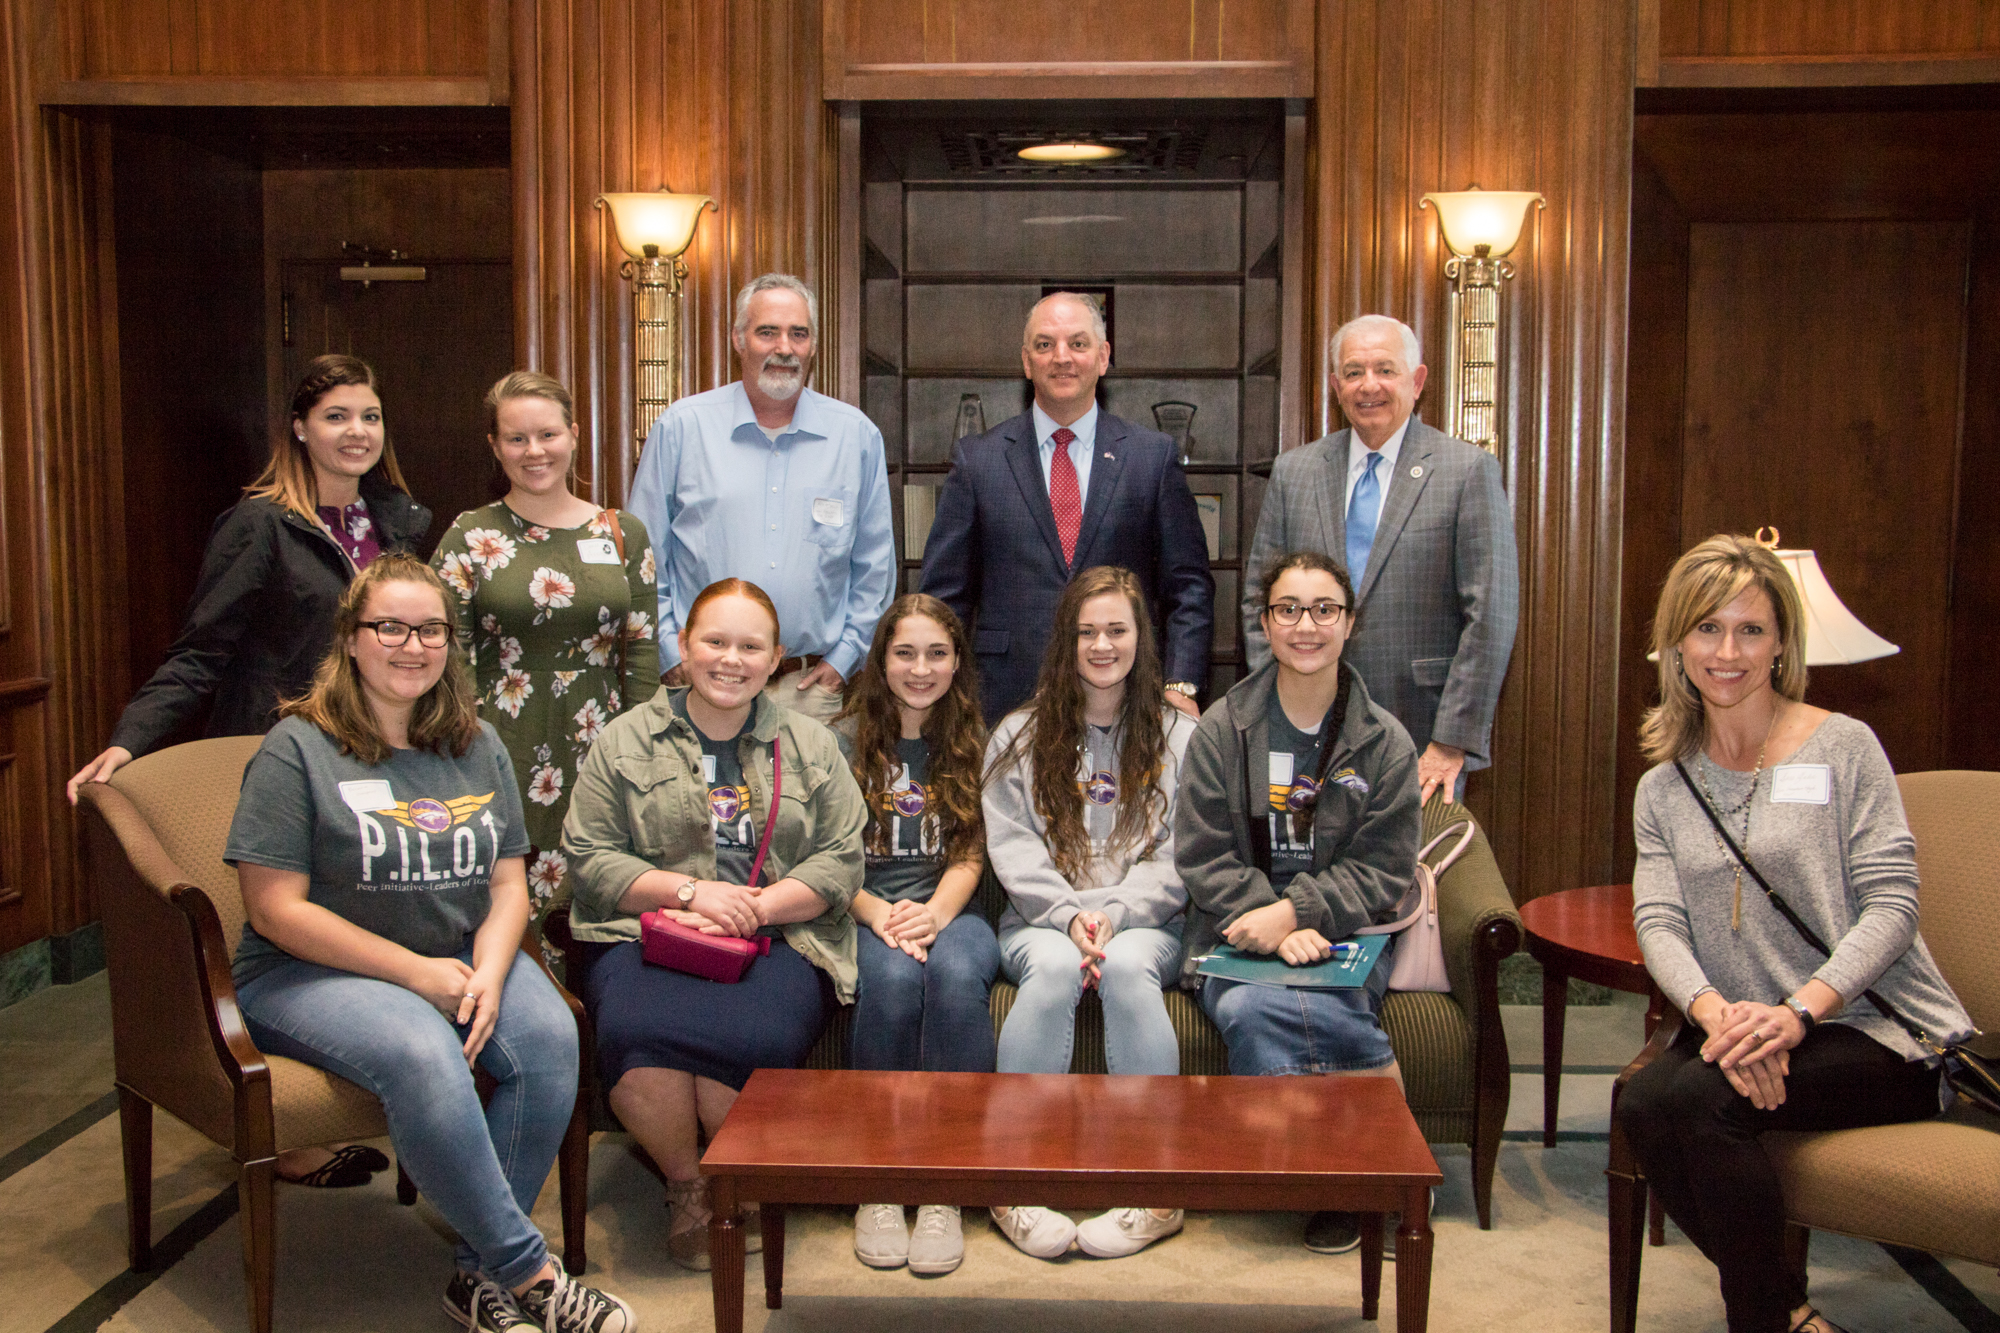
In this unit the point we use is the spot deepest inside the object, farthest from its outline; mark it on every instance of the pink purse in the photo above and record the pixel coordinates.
(665, 942)
(1419, 964)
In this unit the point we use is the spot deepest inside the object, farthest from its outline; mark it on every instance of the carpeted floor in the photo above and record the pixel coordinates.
(354, 1260)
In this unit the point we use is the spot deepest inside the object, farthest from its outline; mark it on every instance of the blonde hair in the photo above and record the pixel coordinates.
(446, 717)
(1703, 581)
(288, 479)
(527, 384)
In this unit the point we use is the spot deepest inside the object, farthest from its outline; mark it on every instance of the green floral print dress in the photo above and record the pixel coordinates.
(548, 616)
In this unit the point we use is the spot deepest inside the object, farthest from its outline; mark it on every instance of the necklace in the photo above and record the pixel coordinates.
(1743, 807)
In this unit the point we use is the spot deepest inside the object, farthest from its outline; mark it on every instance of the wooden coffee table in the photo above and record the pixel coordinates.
(1072, 1141)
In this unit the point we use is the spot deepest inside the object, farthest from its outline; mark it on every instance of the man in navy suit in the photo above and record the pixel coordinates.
(1058, 489)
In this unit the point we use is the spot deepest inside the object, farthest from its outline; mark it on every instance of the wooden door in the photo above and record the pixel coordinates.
(437, 346)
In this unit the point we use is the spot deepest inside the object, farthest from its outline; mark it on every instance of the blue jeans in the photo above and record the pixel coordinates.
(932, 1015)
(482, 1168)
(1046, 965)
(1275, 1030)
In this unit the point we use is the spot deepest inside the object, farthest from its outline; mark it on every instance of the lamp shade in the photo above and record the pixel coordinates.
(1475, 217)
(655, 218)
(1833, 634)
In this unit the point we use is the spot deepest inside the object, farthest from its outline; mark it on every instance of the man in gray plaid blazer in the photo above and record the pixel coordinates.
(1425, 530)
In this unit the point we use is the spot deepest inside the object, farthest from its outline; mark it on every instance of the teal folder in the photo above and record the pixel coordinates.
(1259, 969)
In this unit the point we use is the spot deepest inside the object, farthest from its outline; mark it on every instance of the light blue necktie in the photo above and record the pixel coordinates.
(1362, 511)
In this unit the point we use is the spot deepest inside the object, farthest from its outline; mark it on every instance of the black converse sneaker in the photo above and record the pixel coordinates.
(560, 1305)
(482, 1306)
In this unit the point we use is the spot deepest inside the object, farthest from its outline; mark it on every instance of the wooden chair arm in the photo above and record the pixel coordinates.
(242, 1063)
(1656, 1045)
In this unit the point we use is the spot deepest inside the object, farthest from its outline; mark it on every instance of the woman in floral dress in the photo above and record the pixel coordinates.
(557, 608)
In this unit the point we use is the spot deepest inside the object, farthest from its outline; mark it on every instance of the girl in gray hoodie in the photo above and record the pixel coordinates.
(1079, 805)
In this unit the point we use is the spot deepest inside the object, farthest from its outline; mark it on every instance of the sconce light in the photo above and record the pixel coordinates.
(1480, 228)
(654, 228)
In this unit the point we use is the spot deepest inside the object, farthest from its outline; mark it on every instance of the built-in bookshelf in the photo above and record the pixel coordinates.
(1183, 251)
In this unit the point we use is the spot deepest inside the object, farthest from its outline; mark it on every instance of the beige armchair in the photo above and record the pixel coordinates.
(173, 915)
(1933, 1185)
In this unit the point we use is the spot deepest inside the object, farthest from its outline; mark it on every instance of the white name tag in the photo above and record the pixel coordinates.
(828, 509)
(597, 551)
(367, 796)
(1281, 768)
(708, 769)
(1801, 784)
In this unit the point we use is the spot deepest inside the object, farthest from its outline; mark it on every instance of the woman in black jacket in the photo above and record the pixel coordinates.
(330, 500)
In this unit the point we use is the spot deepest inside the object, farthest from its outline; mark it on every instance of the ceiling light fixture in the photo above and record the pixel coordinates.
(1069, 153)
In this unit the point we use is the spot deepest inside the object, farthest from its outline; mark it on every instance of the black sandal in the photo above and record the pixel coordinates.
(348, 1167)
(1805, 1324)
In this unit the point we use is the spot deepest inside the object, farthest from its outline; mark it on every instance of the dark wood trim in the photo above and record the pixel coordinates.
(1840, 71)
(499, 52)
(1646, 57)
(1293, 392)
(1063, 80)
(304, 90)
(20, 693)
(846, 262)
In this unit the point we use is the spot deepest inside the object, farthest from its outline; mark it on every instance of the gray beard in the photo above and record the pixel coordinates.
(783, 383)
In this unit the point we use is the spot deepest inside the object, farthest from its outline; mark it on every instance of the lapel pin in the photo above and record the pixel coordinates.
(1107, 453)
(1417, 471)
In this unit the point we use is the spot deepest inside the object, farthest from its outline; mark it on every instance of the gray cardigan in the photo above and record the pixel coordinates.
(1846, 865)
(1366, 826)
(1132, 890)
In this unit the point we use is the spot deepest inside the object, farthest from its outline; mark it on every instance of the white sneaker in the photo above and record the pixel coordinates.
(937, 1245)
(1124, 1231)
(880, 1238)
(1036, 1231)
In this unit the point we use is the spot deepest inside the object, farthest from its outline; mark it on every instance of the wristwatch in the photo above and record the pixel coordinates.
(1181, 687)
(1798, 1006)
(686, 894)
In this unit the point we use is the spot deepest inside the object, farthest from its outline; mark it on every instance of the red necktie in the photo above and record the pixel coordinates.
(1063, 497)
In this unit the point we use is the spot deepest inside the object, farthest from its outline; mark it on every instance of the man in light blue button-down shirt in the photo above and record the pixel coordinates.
(766, 480)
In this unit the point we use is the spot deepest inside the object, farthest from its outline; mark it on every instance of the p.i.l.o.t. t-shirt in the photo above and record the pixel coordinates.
(1293, 760)
(404, 848)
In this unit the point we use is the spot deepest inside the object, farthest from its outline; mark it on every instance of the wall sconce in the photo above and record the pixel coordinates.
(1480, 227)
(654, 228)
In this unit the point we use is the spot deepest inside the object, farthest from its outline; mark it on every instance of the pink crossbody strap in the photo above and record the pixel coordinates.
(771, 820)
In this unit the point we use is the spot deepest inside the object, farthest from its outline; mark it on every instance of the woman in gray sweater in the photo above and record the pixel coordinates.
(1079, 806)
(1772, 1042)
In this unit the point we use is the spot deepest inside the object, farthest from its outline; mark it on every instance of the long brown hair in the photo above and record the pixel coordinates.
(288, 479)
(954, 729)
(1055, 728)
(1707, 578)
(445, 718)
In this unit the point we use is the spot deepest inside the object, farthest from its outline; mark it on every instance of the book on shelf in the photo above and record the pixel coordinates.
(919, 511)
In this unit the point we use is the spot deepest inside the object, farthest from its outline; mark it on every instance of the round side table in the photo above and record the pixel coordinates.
(1586, 934)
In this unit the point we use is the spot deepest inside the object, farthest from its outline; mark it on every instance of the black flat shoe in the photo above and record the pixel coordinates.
(350, 1166)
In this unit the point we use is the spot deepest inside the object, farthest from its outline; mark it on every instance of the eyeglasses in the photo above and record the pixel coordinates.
(1323, 613)
(394, 633)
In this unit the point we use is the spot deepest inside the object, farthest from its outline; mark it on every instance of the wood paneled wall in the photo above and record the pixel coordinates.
(1507, 94)
(112, 39)
(894, 49)
(265, 53)
(705, 96)
(1816, 43)
(1815, 299)
(1827, 27)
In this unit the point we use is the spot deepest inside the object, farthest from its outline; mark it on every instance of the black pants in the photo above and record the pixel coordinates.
(1696, 1140)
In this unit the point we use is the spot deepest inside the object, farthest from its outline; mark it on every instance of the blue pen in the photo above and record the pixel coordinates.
(1344, 951)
